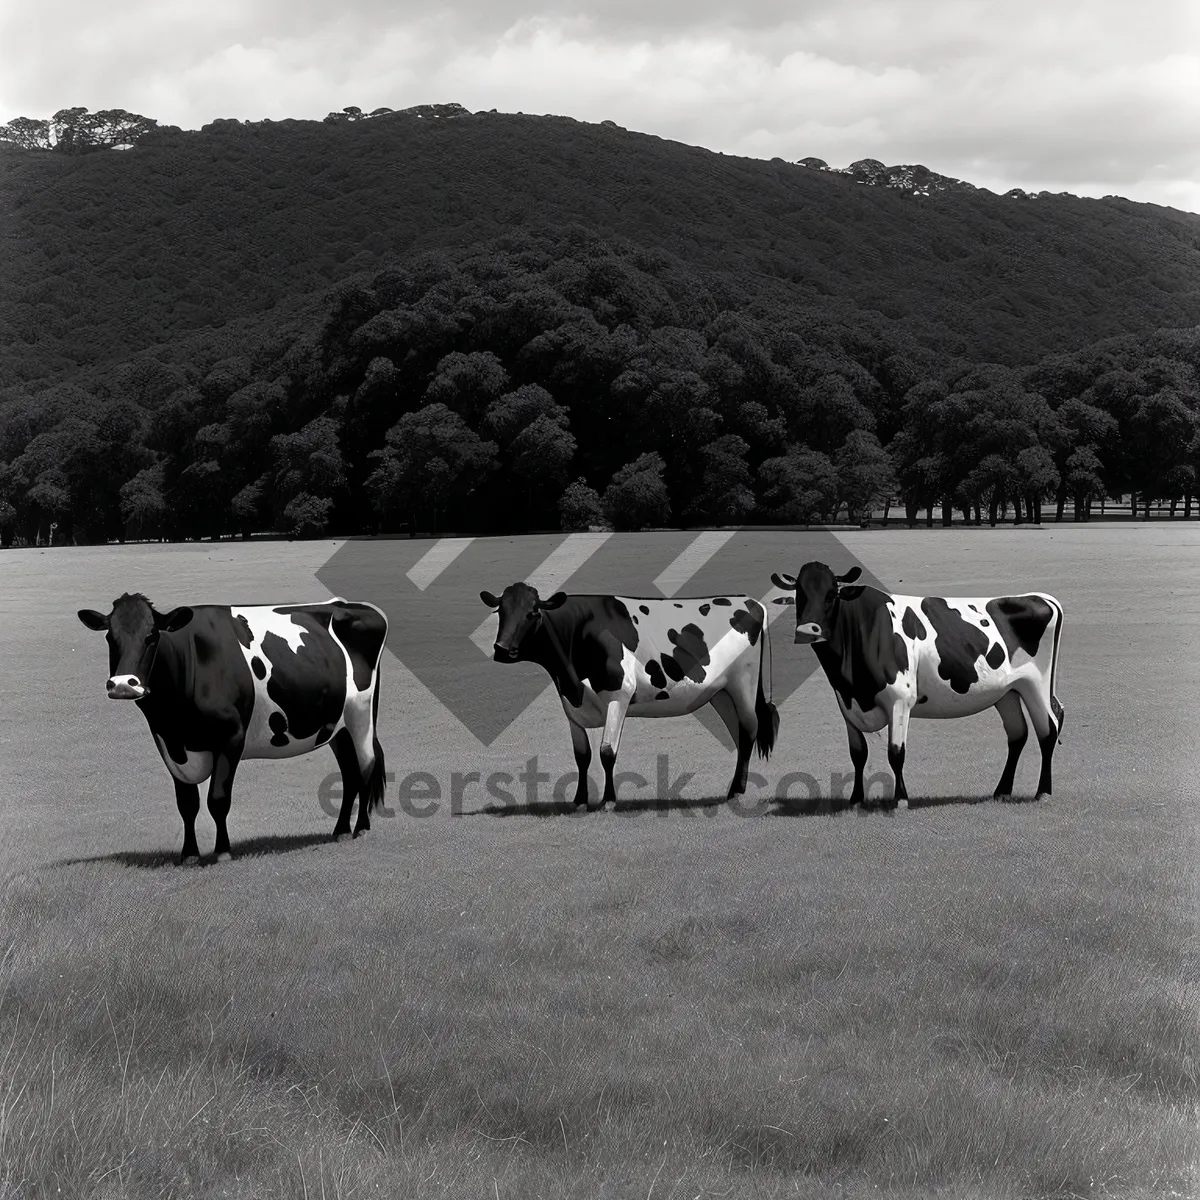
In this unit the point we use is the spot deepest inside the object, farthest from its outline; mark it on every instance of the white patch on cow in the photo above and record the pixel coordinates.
(195, 769)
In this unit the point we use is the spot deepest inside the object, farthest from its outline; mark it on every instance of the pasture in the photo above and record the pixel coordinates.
(967, 999)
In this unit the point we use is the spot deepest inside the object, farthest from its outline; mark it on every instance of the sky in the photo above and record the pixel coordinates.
(1094, 97)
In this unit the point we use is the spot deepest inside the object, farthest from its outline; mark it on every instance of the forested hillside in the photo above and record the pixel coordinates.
(499, 322)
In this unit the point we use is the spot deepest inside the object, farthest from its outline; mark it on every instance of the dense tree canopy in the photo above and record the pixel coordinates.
(561, 375)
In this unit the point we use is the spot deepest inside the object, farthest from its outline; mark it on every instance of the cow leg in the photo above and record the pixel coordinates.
(347, 761)
(609, 743)
(220, 794)
(729, 712)
(858, 756)
(187, 800)
(1013, 716)
(1046, 727)
(583, 760)
(897, 737)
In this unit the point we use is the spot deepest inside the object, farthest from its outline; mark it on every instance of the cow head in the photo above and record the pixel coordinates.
(816, 599)
(132, 629)
(520, 614)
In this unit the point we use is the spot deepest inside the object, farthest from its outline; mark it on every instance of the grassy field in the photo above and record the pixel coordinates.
(966, 999)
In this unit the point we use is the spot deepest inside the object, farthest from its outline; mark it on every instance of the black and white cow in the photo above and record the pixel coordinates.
(616, 656)
(891, 657)
(219, 684)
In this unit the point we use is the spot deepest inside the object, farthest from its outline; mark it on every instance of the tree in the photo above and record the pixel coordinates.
(431, 460)
(467, 383)
(865, 474)
(799, 487)
(308, 463)
(637, 496)
(1038, 478)
(307, 515)
(535, 437)
(1084, 480)
(726, 494)
(580, 508)
(143, 504)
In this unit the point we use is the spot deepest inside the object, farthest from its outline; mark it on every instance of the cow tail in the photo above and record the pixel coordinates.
(375, 785)
(1055, 704)
(764, 709)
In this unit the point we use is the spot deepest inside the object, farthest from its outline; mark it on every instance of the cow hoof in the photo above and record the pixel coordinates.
(342, 837)
(359, 832)
(1042, 796)
(190, 860)
(1002, 796)
(224, 856)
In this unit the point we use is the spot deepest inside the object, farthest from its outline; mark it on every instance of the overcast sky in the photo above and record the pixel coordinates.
(1087, 96)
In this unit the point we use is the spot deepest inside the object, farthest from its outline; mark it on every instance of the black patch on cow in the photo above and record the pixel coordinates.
(258, 667)
(326, 732)
(995, 656)
(985, 622)
(749, 620)
(645, 611)
(655, 674)
(705, 609)
(913, 625)
(972, 608)
(309, 684)
(1021, 621)
(662, 696)
(923, 700)
(901, 651)
(959, 644)
(279, 728)
(677, 604)
(242, 628)
(362, 631)
(721, 600)
(690, 656)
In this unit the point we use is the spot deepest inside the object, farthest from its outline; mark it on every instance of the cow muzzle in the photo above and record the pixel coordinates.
(503, 653)
(807, 635)
(126, 687)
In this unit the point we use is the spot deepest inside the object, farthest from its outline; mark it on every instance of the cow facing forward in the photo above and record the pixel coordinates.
(219, 684)
(616, 656)
(891, 657)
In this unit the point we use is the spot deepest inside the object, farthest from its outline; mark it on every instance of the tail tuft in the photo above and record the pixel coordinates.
(375, 785)
(768, 723)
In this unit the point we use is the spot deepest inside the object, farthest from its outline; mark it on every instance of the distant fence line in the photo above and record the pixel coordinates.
(891, 518)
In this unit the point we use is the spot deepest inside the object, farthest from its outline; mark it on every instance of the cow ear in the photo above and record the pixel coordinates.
(784, 600)
(490, 600)
(92, 619)
(177, 618)
(555, 601)
(787, 582)
(850, 576)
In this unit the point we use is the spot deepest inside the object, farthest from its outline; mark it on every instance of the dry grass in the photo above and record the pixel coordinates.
(964, 1000)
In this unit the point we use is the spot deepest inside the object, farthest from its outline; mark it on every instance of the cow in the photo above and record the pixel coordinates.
(616, 656)
(218, 684)
(889, 657)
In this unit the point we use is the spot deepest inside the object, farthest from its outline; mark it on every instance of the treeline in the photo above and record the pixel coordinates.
(240, 227)
(563, 379)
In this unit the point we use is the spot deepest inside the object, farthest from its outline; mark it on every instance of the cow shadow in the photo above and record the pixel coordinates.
(823, 806)
(255, 847)
(565, 808)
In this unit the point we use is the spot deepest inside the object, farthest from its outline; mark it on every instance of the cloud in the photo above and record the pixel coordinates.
(1091, 96)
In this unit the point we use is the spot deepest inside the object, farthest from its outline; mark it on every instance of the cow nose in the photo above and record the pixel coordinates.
(808, 633)
(125, 687)
(503, 653)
